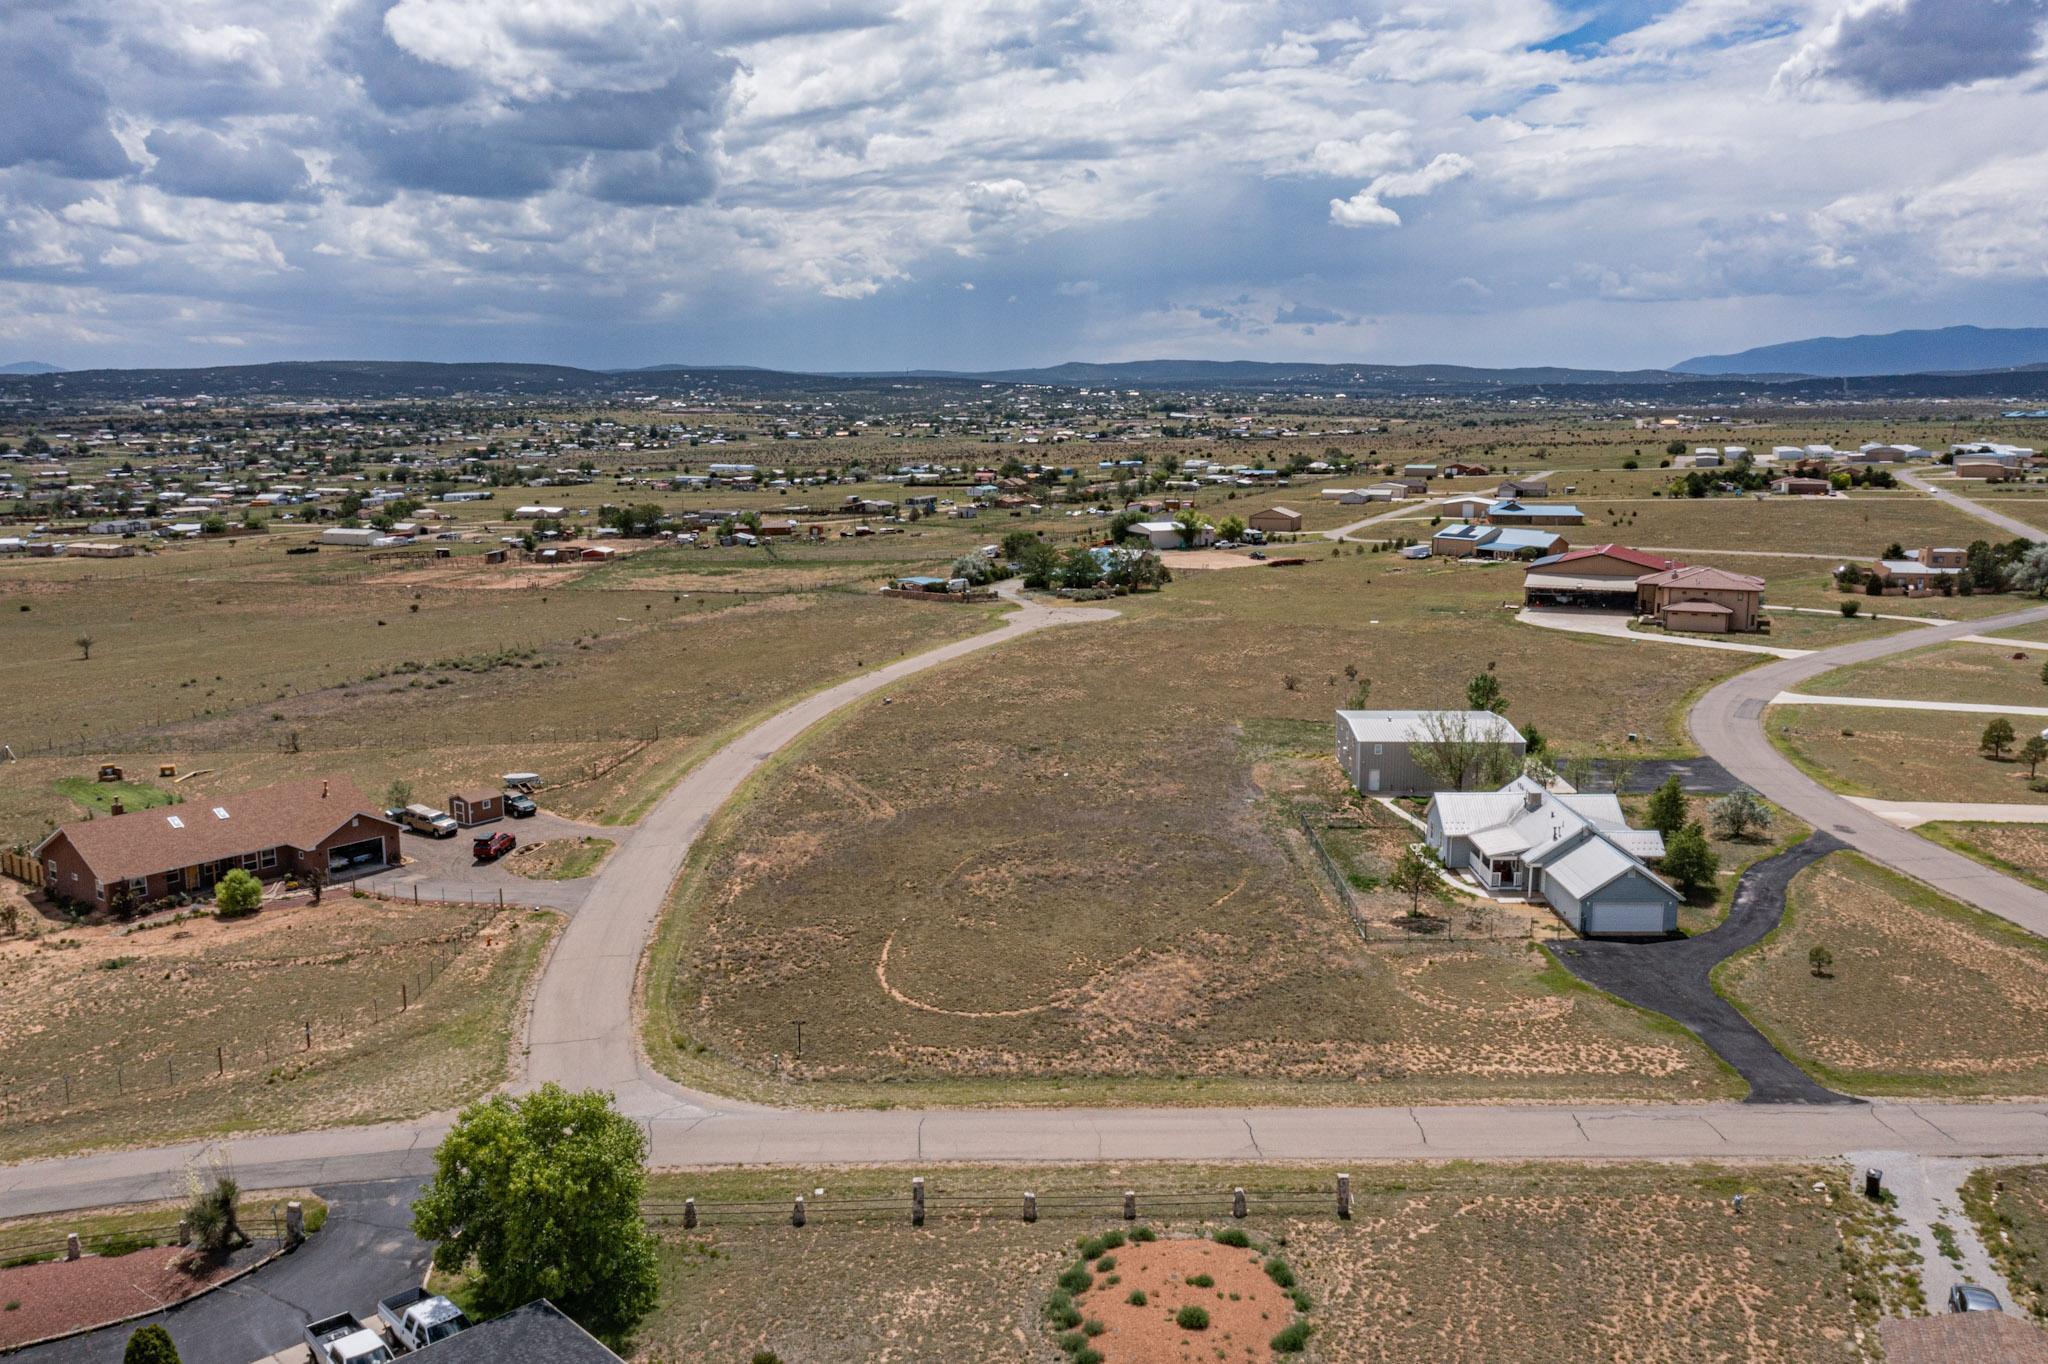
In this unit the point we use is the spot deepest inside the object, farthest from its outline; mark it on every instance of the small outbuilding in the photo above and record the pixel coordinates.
(480, 806)
(1273, 520)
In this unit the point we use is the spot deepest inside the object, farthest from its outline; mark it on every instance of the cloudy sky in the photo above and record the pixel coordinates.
(977, 183)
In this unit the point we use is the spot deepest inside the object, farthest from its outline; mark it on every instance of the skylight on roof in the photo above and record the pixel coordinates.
(174, 821)
(220, 812)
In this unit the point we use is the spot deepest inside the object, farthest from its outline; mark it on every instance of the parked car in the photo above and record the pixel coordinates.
(342, 1339)
(417, 1318)
(1969, 1297)
(425, 819)
(1258, 554)
(491, 847)
(521, 807)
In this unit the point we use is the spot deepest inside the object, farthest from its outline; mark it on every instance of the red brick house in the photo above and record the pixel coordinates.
(290, 829)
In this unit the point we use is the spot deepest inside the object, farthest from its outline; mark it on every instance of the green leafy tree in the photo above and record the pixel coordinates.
(1121, 523)
(1689, 861)
(1820, 960)
(1415, 873)
(150, 1345)
(237, 895)
(2030, 575)
(1018, 543)
(2033, 753)
(1361, 693)
(975, 568)
(1079, 568)
(1483, 693)
(1738, 812)
(1038, 563)
(1997, 738)
(1191, 524)
(1668, 808)
(1676, 447)
(540, 1195)
(398, 795)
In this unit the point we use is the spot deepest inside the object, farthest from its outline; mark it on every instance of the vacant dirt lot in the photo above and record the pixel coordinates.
(1461, 1263)
(1901, 754)
(1857, 528)
(1923, 997)
(2009, 1204)
(306, 1016)
(1981, 673)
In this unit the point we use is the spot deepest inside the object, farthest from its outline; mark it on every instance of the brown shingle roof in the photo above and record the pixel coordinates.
(291, 814)
(1964, 1338)
(1701, 578)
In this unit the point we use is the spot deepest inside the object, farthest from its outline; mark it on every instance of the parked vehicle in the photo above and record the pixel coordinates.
(342, 1339)
(417, 1318)
(521, 807)
(1969, 1297)
(425, 819)
(491, 847)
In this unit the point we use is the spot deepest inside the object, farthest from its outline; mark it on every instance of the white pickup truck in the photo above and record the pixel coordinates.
(341, 1339)
(417, 1318)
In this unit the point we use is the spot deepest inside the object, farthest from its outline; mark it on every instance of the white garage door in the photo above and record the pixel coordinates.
(1628, 916)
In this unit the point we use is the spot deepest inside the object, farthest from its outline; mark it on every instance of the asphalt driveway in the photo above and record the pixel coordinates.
(1671, 978)
(442, 868)
(365, 1251)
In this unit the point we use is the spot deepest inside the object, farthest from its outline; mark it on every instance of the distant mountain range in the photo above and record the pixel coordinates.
(1944, 350)
(27, 367)
(1950, 363)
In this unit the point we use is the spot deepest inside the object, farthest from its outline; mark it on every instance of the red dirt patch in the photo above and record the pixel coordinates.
(1245, 1307)
(68, 1295)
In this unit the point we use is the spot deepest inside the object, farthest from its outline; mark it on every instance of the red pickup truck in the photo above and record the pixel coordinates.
(491, 847)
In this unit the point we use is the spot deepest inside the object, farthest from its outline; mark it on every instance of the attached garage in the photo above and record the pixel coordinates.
(368, 852)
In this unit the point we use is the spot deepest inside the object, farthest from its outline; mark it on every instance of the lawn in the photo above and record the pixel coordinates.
(304, 1016)
(1900, 754)
(1465, 1262)
(1980, 673)
(1704, 911)
(98, 797)
(1068, 868)
(1924, 997)
(2016, 849)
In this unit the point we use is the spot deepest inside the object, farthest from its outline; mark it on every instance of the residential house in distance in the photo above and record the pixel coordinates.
(1796, 486)
(1464, 539)
(323, 826)
(1166, 534)
(1920, 572)
(1575, 853)
(1601, 578)
(1376, 748)
(1275, 520)
(1523, 487)
(1980, 469)
(1513, 511)
(1702, 600)
(1466, 506)
(1462, 469)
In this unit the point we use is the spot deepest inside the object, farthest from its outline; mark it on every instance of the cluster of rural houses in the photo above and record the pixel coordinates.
(1529, 840)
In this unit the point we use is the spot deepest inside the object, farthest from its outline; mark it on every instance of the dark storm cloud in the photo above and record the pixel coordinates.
(52, 114)
(1911, 47)
(203, 165)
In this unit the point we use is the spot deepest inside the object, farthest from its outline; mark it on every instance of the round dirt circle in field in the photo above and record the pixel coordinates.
(1246, 1309)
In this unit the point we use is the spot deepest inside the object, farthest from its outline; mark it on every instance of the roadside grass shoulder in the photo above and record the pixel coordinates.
(1899, 754)
(2018, 850)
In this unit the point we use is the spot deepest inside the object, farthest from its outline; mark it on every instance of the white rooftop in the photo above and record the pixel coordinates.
(1413, 726)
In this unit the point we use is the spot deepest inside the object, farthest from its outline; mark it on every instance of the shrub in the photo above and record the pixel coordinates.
(1233, 1236)
(1144, 1234)
(1072, 1342)
(238, 895)
(766, 1357)
(1077, 1280)
(1137, 1298)
(149, 1345)
(1087, 1354)
(213, 1217)
(1200, 1281)
(1191, 1319)
(115, 1244)
(1302, 1301)
(1279, 1273)
(1092, 1327)
(1106, 1263)
(1292, 1339)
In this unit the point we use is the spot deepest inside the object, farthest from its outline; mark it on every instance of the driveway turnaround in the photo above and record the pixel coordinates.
(1727, 723)
(1701, 776)
(366, 1251)
(1801, 698)
(1672, 978)
(1614, 625)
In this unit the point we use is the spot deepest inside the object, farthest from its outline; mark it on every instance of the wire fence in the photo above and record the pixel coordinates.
(920, 1204)
(298, 1038)
(263, 1228)
(1460, 924)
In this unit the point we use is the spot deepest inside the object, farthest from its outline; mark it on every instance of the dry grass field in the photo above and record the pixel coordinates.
(1857, 528)
(1924, 997)
(1069, 863)
(559, 859)
(1900, 754)
(2009, 1204)
(2016, 849)
(1980, 673)
(1460, 1262)
(109, 1039)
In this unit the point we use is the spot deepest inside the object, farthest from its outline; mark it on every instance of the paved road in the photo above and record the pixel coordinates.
(1614, 625)
(365, 1251)
(1802, 698)
(2009, 524)
(1701, 776)
(1671, 978)
(1909, 813)
(1727, 724)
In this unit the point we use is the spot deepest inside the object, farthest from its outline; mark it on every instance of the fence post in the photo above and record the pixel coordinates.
(1237, 1203)
(1030, 1207)
(1344, 1197)
(796, 1218)
(917, 1201)
(404, 997)
(1130, 1205)
(308, 1024)
(294, 1222)
(71, 1250)
(220, 1061)
(184, 1232)
(689, 1214)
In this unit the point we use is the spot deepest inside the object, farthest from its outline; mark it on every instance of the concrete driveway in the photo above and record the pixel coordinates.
(442, 868)
(366, 1251)
(1671, 978)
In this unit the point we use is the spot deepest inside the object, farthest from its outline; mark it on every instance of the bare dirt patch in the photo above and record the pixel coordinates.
(1209, 560)
(1243, 1306)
